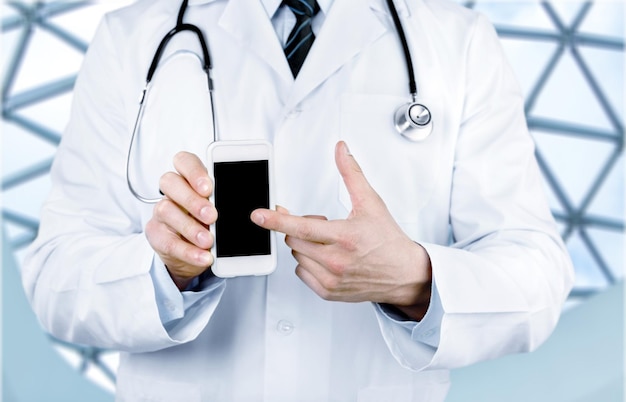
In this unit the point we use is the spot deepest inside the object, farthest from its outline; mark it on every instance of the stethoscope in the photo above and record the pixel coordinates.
(412, 120)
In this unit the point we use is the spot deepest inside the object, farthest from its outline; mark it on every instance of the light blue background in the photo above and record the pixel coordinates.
(582, 362)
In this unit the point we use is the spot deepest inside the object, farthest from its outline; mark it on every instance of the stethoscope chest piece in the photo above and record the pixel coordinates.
(414, 121)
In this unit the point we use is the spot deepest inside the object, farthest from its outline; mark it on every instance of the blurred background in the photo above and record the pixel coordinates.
(569, 59)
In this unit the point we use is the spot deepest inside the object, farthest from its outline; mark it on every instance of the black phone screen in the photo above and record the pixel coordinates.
(240, 188)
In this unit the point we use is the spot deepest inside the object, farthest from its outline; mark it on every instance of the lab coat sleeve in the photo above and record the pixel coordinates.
(503, 282)
(175, 306)
(88, 273)
(420, 338)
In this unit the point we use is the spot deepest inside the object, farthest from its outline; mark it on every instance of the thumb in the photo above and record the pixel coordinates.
(361, 193)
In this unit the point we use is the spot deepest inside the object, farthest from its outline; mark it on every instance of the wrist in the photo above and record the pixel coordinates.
(416, 300)
(181, 282)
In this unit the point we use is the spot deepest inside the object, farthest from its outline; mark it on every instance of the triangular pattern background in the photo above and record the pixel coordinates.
(569, 57)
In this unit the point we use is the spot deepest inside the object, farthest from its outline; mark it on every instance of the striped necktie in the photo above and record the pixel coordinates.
(301, 36)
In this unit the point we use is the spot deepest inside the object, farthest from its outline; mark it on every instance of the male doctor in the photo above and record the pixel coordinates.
(401, 259)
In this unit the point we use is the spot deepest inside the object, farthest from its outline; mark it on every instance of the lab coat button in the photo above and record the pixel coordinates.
(284, 327)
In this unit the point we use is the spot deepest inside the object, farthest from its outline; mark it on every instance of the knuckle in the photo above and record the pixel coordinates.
(196, 203)
(325, 294)
(161, 208)
(152, 233)
(329, 288)
(336, 267)
(168, 247)
(187, 230)
(166, 179)
(350, 241)
(180, 157)
(330, 284)
(151, 228)
(304, 231)
(189, 165)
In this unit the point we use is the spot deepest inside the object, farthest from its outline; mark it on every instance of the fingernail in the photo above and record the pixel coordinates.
(257, 217)
(205, 213)
(203, 238)
(203, 186)
(346, 149)
(205, 258)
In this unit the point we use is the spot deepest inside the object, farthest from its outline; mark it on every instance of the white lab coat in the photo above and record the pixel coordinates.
(498, 288)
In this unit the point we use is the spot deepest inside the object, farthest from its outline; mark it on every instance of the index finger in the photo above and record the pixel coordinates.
(306, 228)
(193, 170)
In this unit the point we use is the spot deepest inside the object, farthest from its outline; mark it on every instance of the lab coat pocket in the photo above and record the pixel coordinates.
(402, 172)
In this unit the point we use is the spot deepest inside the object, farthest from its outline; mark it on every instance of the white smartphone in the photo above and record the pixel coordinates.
(242, 173)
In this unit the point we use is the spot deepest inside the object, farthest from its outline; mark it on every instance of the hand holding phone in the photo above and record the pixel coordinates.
(178, 230)
(242, 172)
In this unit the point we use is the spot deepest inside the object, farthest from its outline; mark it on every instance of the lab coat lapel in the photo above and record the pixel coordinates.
(248, 23)
(350, 27)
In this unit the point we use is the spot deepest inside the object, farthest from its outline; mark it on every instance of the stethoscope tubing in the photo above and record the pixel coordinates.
(404, 121)
(405, 49)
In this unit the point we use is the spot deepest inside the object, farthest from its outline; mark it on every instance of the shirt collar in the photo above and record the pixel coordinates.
(271, 6)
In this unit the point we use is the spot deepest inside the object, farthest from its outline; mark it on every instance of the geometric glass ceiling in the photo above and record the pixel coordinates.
(569, 60)
(568, 57)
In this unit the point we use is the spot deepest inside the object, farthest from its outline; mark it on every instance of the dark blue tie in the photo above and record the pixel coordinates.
(301, 37)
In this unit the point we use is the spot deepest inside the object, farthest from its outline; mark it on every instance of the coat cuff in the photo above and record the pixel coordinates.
(179, 311)
(413, 344)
